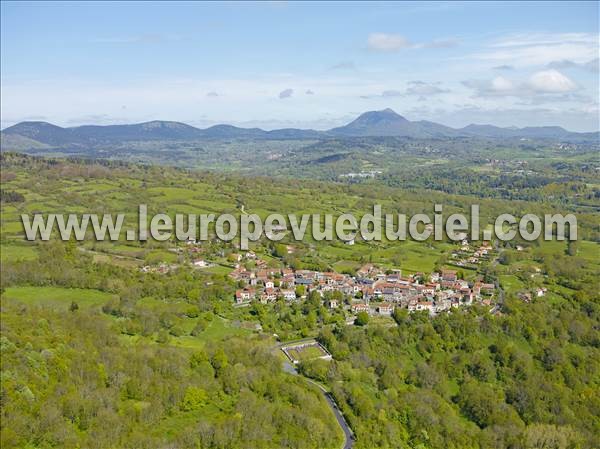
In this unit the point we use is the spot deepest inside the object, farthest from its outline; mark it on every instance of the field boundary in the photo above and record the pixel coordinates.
(291, 349)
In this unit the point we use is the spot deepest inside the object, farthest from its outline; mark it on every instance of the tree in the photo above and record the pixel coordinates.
(300, 290)
(194, 399)
(479, 403)
(279, 250)
(400, 315)
(362, 318)
(200, 327)
(219, 360)
(550, 436)
(163, 336)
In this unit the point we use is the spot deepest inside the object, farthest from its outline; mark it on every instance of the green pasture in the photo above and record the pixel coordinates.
(56, 297)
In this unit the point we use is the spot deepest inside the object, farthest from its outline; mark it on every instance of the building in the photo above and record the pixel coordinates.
(385, 309)
(449, 275)
(361, 307)
(244, 296)
(288, 295)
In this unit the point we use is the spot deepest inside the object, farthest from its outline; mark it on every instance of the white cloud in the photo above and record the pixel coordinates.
(286, 93)
(438, 43)
(551, 81)
(540, 83)
(501, 84)
(542, 39)
(387, 42)
(590, 66)
(421, 89)
(424, 89)
(526, 50)
(384, 42)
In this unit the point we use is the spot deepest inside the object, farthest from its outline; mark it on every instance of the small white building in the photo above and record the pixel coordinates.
(288, 295)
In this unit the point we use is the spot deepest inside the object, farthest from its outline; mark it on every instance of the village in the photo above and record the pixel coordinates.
(468, 256)
(372, 289)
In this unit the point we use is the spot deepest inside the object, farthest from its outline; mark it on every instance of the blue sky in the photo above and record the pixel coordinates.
(313, 65)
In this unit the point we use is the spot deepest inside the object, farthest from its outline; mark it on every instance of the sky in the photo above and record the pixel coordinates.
(307, 65)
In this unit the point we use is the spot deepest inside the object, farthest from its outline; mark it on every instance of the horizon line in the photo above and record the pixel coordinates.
(293, 127)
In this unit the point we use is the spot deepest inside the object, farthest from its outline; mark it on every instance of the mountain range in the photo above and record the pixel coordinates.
(385, 123)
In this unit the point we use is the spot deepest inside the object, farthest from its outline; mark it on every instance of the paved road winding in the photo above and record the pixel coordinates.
(348, 435)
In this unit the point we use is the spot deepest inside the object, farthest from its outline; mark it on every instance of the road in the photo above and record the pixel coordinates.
(348, 435)
(500, 290)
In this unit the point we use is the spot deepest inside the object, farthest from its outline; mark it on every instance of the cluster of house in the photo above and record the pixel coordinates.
(470, 255)
(372, 290)
(362, 174)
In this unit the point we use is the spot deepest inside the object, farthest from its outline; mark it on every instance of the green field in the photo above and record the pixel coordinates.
(16, 252)
(309, 352)
(511, 283)
(56, 297)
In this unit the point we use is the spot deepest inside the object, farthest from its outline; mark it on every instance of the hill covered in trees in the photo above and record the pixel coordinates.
(97, 352)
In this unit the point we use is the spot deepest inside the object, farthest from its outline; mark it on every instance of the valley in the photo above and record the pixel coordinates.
(299, 225)
(398, 356)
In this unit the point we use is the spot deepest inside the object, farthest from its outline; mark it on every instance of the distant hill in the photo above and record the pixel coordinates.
(531, 132)
(232, 132)
(292, 133)
(90, 134)
(45, 134)
(156, 130)
(40, 132)
(385, 123)
(389, 123)
(17, 142)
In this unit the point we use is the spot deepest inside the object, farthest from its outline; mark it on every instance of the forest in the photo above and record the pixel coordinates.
(98, 353)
